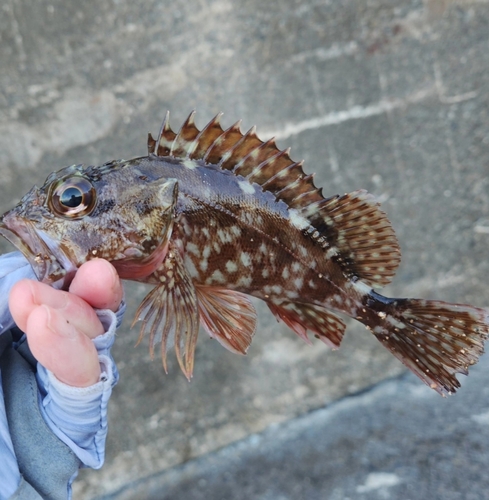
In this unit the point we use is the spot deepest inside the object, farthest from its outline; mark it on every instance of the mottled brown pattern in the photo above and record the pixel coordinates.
(212, 216)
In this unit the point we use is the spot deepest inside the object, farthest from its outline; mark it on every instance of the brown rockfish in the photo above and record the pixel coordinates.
(212, 216)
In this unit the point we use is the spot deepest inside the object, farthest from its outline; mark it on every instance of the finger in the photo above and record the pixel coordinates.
(61, 348)
(98, 284)
(27, 295)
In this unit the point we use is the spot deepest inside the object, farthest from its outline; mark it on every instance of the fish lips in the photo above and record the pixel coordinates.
(48, 261)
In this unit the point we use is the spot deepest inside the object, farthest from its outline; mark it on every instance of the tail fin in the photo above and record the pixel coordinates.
(435, 340)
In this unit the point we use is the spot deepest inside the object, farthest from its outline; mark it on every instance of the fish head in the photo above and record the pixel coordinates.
(84, 213)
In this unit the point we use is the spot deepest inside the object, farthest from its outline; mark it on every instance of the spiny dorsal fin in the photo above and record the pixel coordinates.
(241, 149)
(223, 144)
(206, 138)
(163, 144)
(184, 141)
(351, 228)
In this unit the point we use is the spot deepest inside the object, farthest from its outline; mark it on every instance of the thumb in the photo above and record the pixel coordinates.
(62, 348)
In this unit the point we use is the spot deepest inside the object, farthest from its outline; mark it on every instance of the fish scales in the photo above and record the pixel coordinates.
(212, 216)
(220, 221)
(233, 240)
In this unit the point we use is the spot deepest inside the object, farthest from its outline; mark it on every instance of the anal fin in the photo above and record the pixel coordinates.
(324, 324)
(227, 316)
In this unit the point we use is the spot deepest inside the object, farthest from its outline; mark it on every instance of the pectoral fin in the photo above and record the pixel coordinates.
(169, 312)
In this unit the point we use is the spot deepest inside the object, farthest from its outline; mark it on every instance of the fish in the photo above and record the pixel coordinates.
(211, 217)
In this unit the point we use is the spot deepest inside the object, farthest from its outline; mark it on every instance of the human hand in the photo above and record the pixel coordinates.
(60, 325)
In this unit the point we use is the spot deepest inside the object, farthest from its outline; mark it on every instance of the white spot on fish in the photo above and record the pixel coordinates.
(192, 270)
(254, 154)
(193, 248)
(296, 266)
(245, 259)
(244, 281)
(263, 248)
(187, 229)
(331, 252)
(246, 187)
(189, 164)
(235, 230)
(224, 236)
(312, 208)
(203, 264)
(206, 252)
(226, 156)
(297, 220)
(285, 273)
(249, 218)
(298, 282)
(216, 276)
(265, 273)
(276, 289)
(231, 266)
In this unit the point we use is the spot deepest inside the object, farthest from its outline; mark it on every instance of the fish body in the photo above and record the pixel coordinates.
(211, 217)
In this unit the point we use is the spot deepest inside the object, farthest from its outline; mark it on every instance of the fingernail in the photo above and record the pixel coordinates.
(115, 277)
(116, 289)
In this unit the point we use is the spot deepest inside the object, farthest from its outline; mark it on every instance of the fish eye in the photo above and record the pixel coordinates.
(73, 198)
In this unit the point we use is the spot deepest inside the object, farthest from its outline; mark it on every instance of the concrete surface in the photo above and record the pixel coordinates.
(392, 441)
(387, 95)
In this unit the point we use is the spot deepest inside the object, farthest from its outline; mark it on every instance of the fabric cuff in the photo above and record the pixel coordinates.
(78, 415)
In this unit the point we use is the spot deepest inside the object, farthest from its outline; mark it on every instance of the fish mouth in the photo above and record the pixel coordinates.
(48, 261)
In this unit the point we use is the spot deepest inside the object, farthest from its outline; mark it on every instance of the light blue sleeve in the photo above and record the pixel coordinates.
(13, 267)
(77, 416)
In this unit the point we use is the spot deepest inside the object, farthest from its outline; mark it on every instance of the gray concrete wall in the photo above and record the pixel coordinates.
(387, 95)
